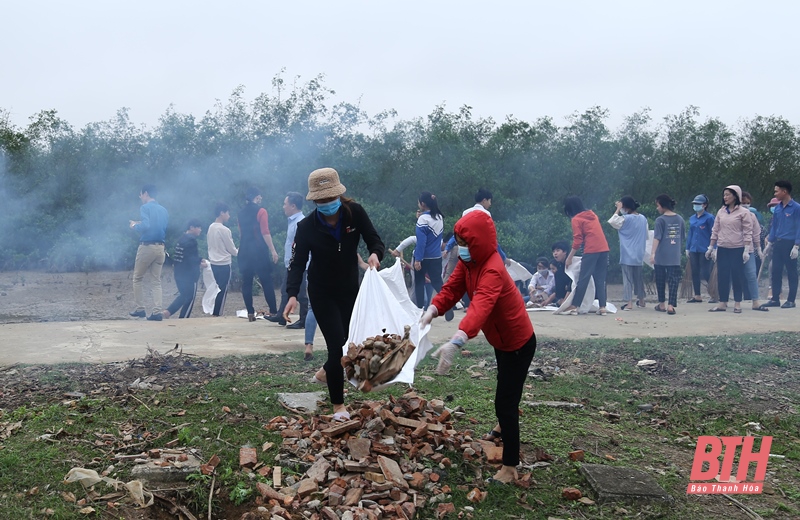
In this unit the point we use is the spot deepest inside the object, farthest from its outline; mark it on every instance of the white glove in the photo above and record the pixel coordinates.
(445, 353)
(709, 253)
(745, 256)
(761, 254)
(793, 254)
(428, 315)
(687, 253)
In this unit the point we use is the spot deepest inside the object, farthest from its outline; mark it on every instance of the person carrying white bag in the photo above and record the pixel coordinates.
(331, 233)
(497, 309)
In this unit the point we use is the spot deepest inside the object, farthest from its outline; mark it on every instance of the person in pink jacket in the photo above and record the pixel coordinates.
(730, 236)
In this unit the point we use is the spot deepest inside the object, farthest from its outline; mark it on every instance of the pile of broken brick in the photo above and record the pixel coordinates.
(386, 462)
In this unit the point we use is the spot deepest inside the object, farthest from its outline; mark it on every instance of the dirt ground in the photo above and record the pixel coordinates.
(83, 317)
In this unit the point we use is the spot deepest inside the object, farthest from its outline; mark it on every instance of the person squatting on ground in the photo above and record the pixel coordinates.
(697, 241)
(543, 284)
(563, 281)
(632, 228)
(428, 251)
(587, 233)
(256, 252)
(221, 249)
(293, 209)
(732, 231)
(784, 242)
(331, 234)
(152, 229)
(668, 239)
(750, 285)
(187, 270)
(498, 310)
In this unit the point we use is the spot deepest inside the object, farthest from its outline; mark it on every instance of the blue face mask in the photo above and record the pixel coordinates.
(329, 208)
(463, 253)
(698, 208)
(773, 209)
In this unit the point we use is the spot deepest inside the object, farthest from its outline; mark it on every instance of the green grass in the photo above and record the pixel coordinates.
(701, 386)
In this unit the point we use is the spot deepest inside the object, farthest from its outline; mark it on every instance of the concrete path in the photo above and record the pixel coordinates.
(119, 340)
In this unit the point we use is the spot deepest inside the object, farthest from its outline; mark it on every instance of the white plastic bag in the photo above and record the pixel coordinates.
(648, 247)
(589, 303)
(383, 303)
(212, 290)
(517, 272)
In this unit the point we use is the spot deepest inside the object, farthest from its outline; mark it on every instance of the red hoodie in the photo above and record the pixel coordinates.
(587, 232)
(496, 306)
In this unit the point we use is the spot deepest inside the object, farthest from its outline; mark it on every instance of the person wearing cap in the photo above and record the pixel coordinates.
(187, 263)
(331, 234)
(632, 227)
(730, 237)
(256, 252)
(697, 242)
(784, 243)
(498, 310)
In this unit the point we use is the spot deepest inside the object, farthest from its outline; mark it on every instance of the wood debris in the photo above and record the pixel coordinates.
(378, 359)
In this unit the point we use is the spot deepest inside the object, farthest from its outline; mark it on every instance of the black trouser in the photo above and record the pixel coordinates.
(512, 369)
(730, 271)
(302, 297)
(332, 309)
(222, 275)
(433, 268)
(262, 269)
(668, 275)
(701, 270)
(780, 259)
(187, 287)
(593, 265)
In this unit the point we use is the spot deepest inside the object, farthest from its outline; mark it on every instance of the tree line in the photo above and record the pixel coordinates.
(69, 193)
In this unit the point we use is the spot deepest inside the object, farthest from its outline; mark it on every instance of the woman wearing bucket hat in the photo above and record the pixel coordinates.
(697, 242)
(331, 234)
(731, 234)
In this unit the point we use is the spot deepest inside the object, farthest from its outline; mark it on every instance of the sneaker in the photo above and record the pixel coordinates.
(788, 305)
(774, 303)
(138, 314)
(155, 317)
(449, 315)
(296, 325)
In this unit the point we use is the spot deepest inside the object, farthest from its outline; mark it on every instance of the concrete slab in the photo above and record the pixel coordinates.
(153, 474)
(304, 401)
(617, 484)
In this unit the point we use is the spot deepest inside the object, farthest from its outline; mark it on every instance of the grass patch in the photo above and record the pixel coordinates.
(699, 386)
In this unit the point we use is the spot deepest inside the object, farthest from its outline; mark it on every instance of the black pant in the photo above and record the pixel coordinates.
(262, 269)
(222, 275)
(730, 271)
(780, 259)
(701, 270)
(433, 268)
(332, 309)
(187, 288)
(593, 265)
(512, 369)
(669, 275)
(302, 296)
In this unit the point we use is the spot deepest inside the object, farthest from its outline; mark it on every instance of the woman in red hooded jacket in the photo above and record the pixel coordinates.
(497, 309)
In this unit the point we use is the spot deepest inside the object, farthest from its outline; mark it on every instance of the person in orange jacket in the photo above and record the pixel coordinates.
(498, 310)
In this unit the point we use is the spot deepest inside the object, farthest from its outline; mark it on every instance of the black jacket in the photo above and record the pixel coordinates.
(186, 257)
(333, 262)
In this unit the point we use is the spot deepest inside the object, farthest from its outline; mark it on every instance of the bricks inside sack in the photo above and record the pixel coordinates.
(378, 359)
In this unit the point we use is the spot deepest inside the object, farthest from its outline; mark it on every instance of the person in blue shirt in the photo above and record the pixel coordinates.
(428, 252)
(784, 242)
(632, 227)
(152, 229)
(697, 241)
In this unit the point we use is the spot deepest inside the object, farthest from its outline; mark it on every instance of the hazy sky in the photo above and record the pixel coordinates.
(529, 59)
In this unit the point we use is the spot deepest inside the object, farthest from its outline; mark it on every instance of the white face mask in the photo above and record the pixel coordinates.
(543, 272)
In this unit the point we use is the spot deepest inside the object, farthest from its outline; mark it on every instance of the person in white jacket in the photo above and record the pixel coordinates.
(221, 249)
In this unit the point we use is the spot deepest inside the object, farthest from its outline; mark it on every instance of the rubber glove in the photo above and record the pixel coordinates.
(745, 256)
(710, 253)
(793, 254)
(428, 315)
(447, 352)
(687, 253)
